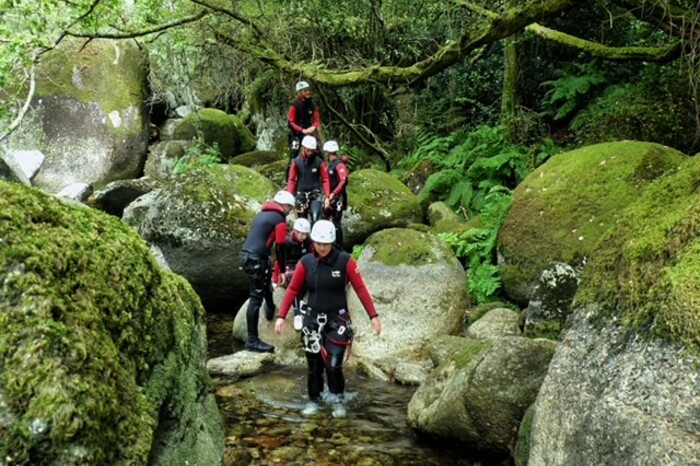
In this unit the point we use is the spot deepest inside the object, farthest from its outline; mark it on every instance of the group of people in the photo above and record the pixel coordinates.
(320, 184)
(309, 260)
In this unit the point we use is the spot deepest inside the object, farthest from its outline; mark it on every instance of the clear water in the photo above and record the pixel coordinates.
(264, 425)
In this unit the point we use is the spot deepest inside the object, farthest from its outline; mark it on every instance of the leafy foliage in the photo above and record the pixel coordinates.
(573, 87)
(198, 155)
(476, 172)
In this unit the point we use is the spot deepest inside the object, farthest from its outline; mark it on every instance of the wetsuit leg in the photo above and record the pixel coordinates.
(334, 367)
(257, 284)
(315, 207)
(314, 381)
(337, 216)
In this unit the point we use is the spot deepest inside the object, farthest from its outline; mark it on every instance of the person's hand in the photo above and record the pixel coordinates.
(282, 280)
(327, 203)
(376, 324)
(279, 326)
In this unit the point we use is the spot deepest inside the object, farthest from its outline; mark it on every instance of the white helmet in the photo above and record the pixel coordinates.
(323, 232)
(309, 142)
(331, 146)
(302, 225)
(284, 197)
(301, 85)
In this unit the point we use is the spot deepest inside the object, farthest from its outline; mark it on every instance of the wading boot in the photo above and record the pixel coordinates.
(254, 344)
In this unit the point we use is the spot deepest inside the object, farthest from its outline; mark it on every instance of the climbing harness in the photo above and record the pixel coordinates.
(312, 337)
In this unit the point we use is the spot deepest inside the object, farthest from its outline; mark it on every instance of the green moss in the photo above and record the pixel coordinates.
(215, 198)
(550, 329)
(214, 126)
(522, 445)
(246, 140)
(88, 317)
(572, 200)
(396, 246)
(88, 73)
(373, 192)
(256, 158)
(275, 172)
(647, 268)
(471, 349)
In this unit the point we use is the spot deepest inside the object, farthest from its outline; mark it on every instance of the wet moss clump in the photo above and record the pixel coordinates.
(646, 269)
(87, 323)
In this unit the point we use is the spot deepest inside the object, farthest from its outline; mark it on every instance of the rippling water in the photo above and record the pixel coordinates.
(264, 425)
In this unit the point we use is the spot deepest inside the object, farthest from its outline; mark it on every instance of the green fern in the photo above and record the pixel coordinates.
(198, 155)
(567, 93)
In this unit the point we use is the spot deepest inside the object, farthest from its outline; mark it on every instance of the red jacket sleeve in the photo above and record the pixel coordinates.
(292, 119)
(293, 290)
(358, 284)
(280, 238)
(342, 172)
(292, 180)
(325, 180)
(317, 118)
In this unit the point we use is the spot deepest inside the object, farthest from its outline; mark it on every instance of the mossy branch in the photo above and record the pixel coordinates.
(596, 49)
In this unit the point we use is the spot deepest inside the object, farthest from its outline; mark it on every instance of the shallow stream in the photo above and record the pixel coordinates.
(264, 425)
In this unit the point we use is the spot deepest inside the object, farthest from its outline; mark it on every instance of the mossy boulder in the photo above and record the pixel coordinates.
(88, 116)
(256, 158)
(645, 270)
(522, 444)
(408, 273)
(562, 209)
(275, 172)
(481, 391)
(377, 201)
(101, 351)
(216, 126)
(200, 220)
(162, 157)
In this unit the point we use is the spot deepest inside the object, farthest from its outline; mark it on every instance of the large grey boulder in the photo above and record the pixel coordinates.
(199, 220)
(480, 391)
(612, 399)
(101, 351)
(88, 116)
(419, 290)
(377, 200)
(114, 197)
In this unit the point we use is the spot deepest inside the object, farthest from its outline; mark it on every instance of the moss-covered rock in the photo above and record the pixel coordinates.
(256, 158)
(216, 126)
(646, 270)
(481, 391)
(88, 116)
(393, 262)
(563, 208)
(275, 172)
(376, 201)
(200, 220)
(101, 350)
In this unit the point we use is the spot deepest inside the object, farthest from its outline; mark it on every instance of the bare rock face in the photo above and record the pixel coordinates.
(88, 116)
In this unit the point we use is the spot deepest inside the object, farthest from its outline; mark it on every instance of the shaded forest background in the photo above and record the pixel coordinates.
(469, 96)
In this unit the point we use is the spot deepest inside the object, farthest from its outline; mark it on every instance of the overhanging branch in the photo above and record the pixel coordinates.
(142, 32)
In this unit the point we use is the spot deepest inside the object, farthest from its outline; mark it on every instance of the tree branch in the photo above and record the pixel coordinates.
(500, 26)
(232, 14)
(377, 149)
(596, 49)
(143, 32)
(671, 19)
(30, 95)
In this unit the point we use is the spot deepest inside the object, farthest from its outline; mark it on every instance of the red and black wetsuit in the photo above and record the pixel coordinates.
(302, 114)
(326, 280)
(338, 178)
(268, 229)
(293, 251)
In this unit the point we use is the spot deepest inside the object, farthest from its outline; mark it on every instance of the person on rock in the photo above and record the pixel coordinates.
(327, 330)
(308, 180)
(338, 178)
(303, 118)
(269, 228)
(296, 245)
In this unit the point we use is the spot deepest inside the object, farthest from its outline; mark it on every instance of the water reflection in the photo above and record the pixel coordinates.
(264, 425)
